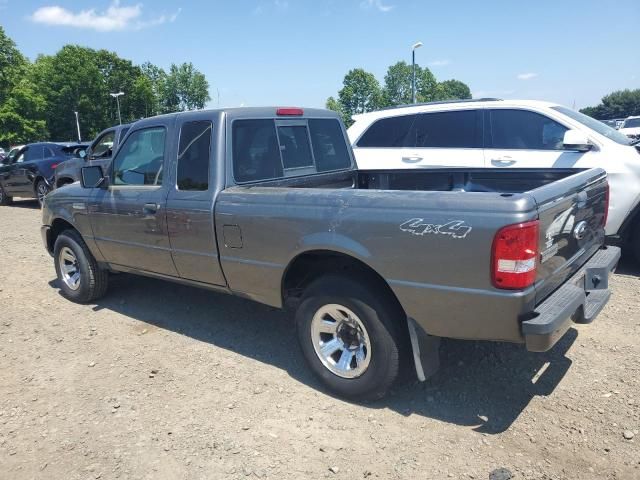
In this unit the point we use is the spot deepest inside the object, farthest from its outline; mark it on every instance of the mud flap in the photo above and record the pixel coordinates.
(426, 351)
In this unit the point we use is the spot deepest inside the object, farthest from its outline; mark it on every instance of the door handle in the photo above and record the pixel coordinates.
(503, 161)
(412, 159)
(150, 208)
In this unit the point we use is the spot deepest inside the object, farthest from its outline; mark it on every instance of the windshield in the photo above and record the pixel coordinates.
(631, 123)
(594, 124)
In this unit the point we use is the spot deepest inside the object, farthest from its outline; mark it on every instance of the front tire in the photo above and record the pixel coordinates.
(80, 277)
(42, 190)
(4, 198)
(350, 337)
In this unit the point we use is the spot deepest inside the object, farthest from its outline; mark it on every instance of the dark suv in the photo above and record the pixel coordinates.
(30, 173)
(99, 153)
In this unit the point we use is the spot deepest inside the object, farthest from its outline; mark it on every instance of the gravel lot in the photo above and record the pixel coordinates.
(164, 381)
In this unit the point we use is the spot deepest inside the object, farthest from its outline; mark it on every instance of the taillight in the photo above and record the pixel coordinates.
(514, 256)
(54, 165)
(606, 205)
(289, 111)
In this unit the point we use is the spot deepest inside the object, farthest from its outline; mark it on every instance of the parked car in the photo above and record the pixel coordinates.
(98, 153)
(266, 204)
(506, 134)
(30, 173)
(631, 128)
(14, 151)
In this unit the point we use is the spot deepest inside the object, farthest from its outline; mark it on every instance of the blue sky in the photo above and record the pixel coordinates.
(296, 52)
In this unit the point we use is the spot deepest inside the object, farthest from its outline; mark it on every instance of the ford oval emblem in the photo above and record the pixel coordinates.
(580, 230)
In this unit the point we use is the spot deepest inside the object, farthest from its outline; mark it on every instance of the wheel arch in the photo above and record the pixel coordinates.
(58, 226)
(311, 264)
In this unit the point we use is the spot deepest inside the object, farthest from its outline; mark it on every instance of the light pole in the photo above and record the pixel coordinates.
(413, 66)
(78, 127)
(117, 97)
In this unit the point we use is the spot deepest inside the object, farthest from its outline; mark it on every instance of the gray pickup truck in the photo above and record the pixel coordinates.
(267, 204)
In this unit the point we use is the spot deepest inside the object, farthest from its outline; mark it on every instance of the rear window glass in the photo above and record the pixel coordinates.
(294, 147)
(389, 132)
(329, 145)
(256, 155)
(259, 153)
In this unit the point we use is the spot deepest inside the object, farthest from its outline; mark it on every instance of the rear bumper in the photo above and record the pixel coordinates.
(579, 300)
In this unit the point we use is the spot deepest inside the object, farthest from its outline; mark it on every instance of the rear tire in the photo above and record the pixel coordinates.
(42, 190)
(80, 277)
(4, 198)
(634, 244)
(361, 326)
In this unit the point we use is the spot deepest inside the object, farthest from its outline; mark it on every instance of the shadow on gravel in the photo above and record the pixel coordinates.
(26, 203)
(628, 266)
(485, 385)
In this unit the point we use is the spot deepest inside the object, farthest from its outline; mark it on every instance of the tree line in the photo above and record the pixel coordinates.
(38, 99)
(361, 92)
(618, 104)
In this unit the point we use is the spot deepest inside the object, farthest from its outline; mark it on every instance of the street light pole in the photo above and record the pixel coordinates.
(78, 127)
(117, 97)
(413, 68)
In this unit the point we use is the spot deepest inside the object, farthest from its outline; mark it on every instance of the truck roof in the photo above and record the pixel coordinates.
(248, 112)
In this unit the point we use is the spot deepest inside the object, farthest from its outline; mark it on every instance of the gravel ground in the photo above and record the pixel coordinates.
(165, 381)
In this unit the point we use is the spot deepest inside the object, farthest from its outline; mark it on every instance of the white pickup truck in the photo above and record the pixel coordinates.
(498, 133)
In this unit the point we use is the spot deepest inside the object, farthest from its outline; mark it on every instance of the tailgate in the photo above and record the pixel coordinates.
(571, 212)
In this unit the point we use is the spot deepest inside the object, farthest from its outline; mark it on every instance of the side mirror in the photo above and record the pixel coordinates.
(92, 177)
(82, 154)
(575, 140)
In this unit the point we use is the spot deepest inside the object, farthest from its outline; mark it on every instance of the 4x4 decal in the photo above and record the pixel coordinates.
(455, 228)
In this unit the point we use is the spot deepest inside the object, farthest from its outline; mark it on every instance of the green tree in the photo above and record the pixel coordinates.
(184, 88)
(398, 80)
(22, 115)
(12, 65)
(618, 104)
(360, 93)
(452, 90)
(333, 104)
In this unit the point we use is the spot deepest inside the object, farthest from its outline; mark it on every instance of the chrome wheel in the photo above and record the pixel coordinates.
(41, 191)
(340, 341)
(69, 268)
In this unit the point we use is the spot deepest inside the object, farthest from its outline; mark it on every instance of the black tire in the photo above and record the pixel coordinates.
(4, 198)
(380, 316)
(41, 191)
(93, 279)
(634, 243)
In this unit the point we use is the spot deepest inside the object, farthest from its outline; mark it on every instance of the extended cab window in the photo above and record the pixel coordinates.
(522, 129)
(140, 160)
(193, 156)
(389, 132)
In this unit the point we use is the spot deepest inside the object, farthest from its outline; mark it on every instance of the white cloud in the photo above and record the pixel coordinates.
(114, 18)
(377, 4)
(440, 63)
(526, 76)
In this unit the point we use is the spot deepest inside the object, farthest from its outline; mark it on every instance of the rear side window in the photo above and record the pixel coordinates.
(389, 132)
(522, 129)
(193, 155)
(329, 145)
(256, 155)
(34, 152)
(458, 129)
